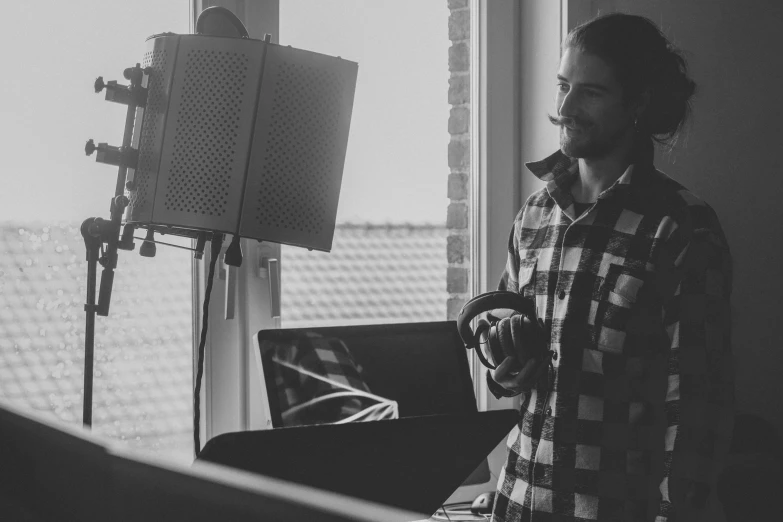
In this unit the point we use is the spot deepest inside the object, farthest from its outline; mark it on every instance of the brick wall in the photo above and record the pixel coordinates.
(457, 218)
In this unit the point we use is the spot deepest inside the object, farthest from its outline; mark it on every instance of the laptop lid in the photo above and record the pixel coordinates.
(422, 367)
(413, 463)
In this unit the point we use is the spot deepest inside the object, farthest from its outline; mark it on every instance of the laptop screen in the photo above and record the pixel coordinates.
(359, 373)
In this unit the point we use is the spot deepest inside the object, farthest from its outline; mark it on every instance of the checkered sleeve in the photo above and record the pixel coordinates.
(509, 283)
(700, 391)
(509, 279)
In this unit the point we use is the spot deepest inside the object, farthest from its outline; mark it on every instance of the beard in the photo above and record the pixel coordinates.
(582, 139)
(585, 144)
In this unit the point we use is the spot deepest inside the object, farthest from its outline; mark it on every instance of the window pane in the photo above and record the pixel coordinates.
(406, 168)
(143, 349)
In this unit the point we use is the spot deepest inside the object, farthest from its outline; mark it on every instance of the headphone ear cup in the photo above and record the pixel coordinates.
(505, 338)
(493, 345)
(516, 324)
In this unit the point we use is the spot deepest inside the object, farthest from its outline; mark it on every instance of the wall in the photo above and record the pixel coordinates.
(457, 218)
(730, 157)
(540, 57)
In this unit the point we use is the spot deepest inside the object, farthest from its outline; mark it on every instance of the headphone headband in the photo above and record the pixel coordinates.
(486, 302)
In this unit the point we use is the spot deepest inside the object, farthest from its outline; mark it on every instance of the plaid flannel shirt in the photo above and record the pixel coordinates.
(634, 419)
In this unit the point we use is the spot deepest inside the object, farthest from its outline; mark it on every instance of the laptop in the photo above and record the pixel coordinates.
(412, 379)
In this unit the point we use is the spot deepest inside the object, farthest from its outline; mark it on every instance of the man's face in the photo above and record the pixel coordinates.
(593, 116)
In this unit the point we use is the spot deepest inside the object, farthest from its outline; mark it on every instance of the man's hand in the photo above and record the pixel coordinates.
(517, 377)
(528, 341)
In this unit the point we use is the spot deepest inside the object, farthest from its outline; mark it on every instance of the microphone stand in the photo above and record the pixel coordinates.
(97, 232)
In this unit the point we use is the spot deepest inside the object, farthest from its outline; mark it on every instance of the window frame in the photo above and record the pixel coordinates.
(495, 154)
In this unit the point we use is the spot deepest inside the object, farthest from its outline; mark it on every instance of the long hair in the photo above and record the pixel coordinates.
(644, 61)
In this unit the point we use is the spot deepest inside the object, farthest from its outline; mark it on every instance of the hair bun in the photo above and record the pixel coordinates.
(671, 92)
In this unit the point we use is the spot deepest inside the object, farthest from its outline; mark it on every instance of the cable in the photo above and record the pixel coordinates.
(215, 243)
(350, 391)
(383, 409)
(459, 511)
(367, 414)
(312, 402)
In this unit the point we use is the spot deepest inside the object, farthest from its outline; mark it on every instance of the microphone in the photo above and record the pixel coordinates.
(238, 136)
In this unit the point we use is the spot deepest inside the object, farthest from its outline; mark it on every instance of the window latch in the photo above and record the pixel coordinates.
(229, 274)
(269, 268)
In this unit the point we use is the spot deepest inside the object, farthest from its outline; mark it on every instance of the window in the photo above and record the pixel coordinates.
(143, 349)
(389, 259)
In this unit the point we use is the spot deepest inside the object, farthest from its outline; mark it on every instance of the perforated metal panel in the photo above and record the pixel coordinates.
(303, 130)
(299, 146)
(208, 133)
(224, 147)
(149, 127)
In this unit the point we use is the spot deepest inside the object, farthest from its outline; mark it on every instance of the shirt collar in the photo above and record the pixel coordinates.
(560, 172)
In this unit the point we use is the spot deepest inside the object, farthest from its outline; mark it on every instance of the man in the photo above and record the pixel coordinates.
(631, 277)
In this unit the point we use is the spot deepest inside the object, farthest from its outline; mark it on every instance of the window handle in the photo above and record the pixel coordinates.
(269, 268)
(231, 290)
(228, 274)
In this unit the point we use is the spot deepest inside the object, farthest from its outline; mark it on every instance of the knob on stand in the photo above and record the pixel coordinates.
(148, 248)
(133, 94)
(99, 84)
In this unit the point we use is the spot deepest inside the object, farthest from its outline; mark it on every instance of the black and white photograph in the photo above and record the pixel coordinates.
(391, 261)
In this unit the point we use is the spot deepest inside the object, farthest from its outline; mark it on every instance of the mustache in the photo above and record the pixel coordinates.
(562, 121)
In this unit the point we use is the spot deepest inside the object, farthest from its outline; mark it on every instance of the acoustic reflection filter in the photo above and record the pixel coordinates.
(241, 136)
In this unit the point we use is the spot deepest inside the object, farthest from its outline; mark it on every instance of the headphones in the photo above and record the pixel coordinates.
(494, 338)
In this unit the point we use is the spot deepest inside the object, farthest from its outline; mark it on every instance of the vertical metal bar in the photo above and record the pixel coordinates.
(477, 190)
(130, 118)
(89, 336)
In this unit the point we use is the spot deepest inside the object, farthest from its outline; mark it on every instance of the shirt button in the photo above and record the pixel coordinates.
(548, 411)
(562, 294)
